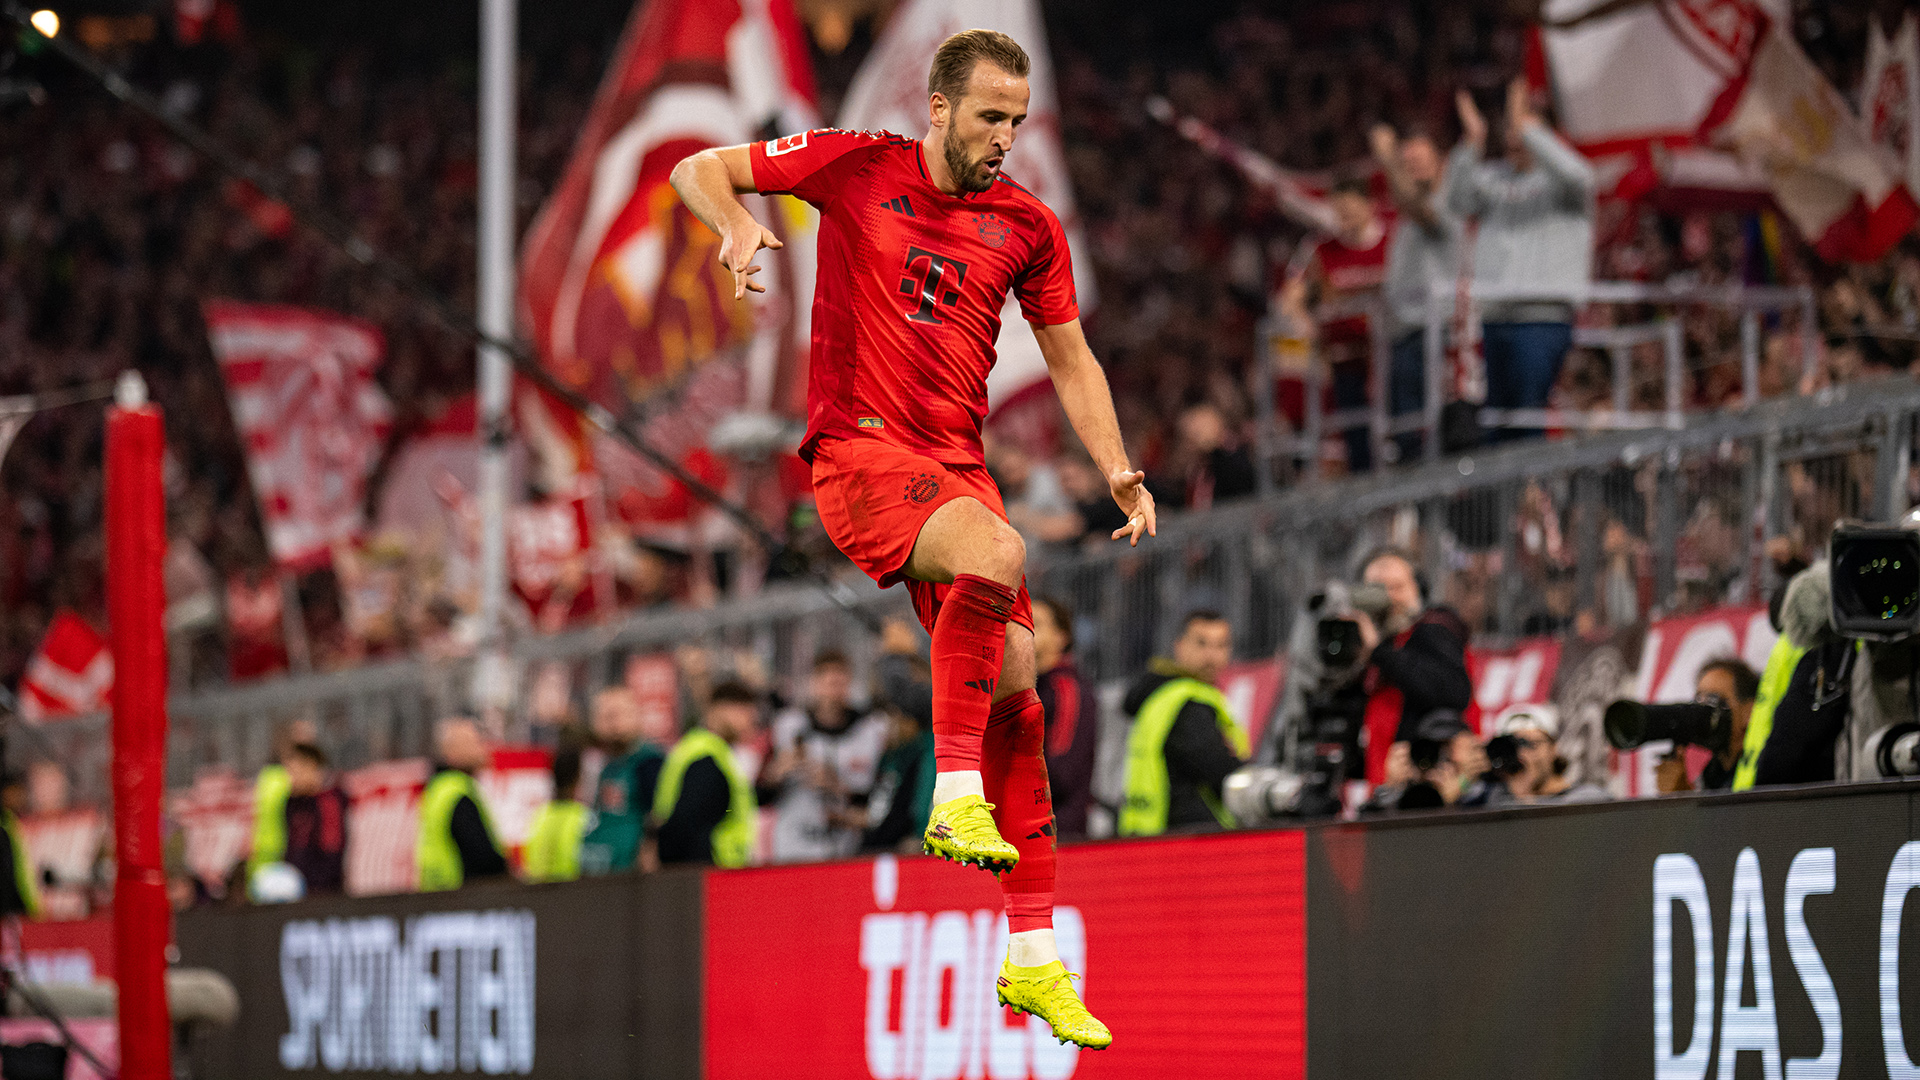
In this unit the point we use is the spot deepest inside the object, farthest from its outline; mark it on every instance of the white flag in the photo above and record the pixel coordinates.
(890, 94)
(1890, 94)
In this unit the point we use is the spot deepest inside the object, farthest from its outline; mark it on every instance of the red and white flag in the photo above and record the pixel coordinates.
(890, 94)
(1845, 194)
(620, 285)
(1890, 95)
(312, 418)
(1715, 95)
(71, 674)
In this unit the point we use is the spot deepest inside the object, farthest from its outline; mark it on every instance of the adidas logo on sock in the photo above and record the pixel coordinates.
(900, 206)
(985, 686)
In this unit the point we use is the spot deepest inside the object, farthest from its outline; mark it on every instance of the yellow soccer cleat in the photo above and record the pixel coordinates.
(1047, 992)
(961, 830)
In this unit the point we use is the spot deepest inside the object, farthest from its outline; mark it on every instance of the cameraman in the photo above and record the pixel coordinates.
(1415, 656)
(1728, 682)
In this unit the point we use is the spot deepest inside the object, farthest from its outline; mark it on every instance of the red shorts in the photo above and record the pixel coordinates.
(874, 497)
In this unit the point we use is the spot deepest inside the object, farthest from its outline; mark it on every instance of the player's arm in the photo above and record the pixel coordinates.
(711, 183)
(1082, 387)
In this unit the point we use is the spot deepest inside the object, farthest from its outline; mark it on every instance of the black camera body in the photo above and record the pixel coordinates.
(1706, 723)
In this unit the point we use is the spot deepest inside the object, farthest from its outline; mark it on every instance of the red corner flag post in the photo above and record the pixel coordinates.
(136, 545)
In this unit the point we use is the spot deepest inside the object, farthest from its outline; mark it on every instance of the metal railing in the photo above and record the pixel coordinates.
(1527, 538)
(1530, 538)
(1444, 302)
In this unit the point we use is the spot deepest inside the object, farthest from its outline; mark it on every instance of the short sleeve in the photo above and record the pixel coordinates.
(810, 165)
(1045, 288)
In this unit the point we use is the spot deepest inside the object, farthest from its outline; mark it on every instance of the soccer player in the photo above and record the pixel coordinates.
(920, 243)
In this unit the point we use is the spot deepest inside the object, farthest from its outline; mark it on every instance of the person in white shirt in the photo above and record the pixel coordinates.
(821, 763)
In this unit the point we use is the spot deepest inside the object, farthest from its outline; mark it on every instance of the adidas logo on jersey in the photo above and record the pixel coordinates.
(899, 206)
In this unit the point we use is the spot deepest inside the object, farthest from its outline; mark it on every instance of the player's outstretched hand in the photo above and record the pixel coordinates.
(737, 249)
(1130, 492)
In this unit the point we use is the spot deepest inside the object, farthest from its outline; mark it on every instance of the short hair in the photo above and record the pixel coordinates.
(309, 751)
(1062, 616)
(831, 658)
(1199, 615)
(954, 61)
(1746, 681)
(566, 773)
(1351, 185)
(734, 692)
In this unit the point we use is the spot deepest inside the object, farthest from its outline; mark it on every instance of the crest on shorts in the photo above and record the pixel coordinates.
(993, 230)
(923, 487)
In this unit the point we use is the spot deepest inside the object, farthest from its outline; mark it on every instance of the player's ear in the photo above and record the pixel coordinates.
(938, 108)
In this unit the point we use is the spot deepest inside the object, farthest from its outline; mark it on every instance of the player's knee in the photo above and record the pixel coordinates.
(1004, 555)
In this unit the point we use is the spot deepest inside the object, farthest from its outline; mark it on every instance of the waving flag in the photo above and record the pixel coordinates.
(71, 673)
(310, 415)
(620, 285)
(1716, 95)
(1890, 95)
(890, 94)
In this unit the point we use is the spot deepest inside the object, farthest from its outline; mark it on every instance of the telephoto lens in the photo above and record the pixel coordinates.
(1697, 723)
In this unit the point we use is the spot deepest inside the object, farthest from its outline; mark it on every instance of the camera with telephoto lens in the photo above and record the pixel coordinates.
(1338, 632)
(1876, 581)
(1706, 722)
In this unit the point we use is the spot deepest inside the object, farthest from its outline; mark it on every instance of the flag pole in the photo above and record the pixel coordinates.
(496, 244)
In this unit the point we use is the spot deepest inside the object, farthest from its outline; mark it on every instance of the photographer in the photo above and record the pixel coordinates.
(1416, 658)
(1805, 695)
(1525, 765)
(1727, 683)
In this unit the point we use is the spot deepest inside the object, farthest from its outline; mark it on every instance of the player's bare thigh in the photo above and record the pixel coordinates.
(965, 537)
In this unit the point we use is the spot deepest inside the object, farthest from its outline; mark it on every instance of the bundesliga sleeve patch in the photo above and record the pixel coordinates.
(787, 144)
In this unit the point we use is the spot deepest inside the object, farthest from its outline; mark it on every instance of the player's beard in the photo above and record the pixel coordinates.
(970, 173)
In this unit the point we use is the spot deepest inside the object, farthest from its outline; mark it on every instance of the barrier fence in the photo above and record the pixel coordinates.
(1684, 937)
(1530, 539)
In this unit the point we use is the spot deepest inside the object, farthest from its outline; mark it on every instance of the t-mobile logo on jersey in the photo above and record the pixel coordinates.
(931, 1011)
(935, 278)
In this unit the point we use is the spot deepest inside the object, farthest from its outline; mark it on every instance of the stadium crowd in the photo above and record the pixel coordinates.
(114, 235)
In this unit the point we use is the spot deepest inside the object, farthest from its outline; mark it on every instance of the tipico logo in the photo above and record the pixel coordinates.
(931, 1009)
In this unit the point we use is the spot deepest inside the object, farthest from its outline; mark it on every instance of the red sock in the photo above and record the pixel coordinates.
(969, 641)
(1013, 770)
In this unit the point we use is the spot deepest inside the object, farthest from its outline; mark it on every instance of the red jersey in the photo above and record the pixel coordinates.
(906, 306)
(1349, 271)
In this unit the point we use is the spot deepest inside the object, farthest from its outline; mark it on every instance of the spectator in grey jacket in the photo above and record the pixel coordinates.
(1535, 213)
(1420, 257)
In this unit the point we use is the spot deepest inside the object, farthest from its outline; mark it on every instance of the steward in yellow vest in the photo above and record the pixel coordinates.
(24, 876)
(457, 841)
(553, 846)
(704, 810)
(1183, 743)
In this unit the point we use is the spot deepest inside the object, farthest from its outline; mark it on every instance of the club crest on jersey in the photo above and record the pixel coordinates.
(993, 231)
(923, 487)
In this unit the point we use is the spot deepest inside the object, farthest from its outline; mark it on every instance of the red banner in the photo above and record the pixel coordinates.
(311, 416)
(1521, 675)
(1193, 951)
